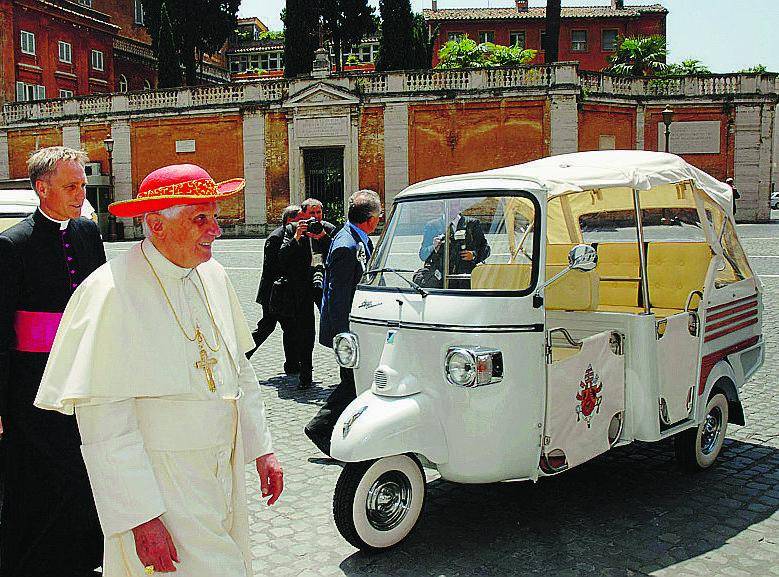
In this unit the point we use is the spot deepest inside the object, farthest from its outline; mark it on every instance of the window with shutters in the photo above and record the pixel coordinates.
(517, 38)
(97, 60)
(139, 13)
(608, 40)
(28, 92)
(487, 36)
(578, 40)
(65, 52)
(28, 42)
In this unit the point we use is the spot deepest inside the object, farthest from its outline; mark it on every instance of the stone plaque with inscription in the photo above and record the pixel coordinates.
(607, 142)
(698, 137)
(185, 146)
(327, 127)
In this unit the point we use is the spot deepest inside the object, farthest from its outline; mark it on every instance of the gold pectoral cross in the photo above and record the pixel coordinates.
(205, 363)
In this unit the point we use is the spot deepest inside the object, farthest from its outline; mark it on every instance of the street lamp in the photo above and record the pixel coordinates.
(109, 146)
(668, 116)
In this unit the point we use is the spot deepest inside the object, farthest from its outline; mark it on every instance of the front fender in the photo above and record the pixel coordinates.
(389, 426)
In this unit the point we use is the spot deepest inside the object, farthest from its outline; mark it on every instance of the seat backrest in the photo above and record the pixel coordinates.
(558, 253)
(674, 270)
(501, 276)
(576, 291)
(619, 261)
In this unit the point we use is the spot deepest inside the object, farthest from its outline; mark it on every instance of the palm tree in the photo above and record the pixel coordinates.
(639, 56)
(552, 43)
(694, 67)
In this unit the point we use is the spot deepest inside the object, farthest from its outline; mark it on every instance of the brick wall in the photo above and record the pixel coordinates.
(24, 142)
(276, 165)
(371, 149)
(599, 124)
(92, 136)
(218, 149)
(719, 165)
(456, 137)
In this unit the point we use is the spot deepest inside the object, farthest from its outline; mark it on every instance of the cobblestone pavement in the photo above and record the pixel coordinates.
(630, 512)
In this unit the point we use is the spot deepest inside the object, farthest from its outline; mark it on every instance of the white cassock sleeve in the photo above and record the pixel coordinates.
(123, 483)
(254, 427)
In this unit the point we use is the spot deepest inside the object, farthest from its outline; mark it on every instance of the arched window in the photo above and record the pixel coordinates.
(146, 85)
(122, 83)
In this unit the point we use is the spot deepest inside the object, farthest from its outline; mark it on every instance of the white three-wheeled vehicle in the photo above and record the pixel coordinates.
(518, 322)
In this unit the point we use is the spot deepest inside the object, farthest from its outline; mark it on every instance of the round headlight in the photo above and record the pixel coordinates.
(461, 367)
(347, 350)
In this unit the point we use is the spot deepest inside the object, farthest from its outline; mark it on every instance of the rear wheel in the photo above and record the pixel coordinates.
(697, 448)
(377, 503)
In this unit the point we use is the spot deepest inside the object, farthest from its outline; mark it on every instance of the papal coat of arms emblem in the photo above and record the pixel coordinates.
(589, 396)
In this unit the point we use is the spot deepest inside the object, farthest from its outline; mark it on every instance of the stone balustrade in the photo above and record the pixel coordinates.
(541, 77)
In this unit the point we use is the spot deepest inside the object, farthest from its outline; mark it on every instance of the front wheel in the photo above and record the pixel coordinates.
(377, 503)
(697, 448)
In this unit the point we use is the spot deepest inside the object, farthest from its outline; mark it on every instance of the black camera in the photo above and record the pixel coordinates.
(314, 226)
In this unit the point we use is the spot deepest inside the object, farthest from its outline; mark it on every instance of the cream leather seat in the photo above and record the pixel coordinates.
(576, 291)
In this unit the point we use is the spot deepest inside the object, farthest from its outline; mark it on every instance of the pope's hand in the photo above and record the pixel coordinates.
(155, 547)
(271, 477)
(1, 426)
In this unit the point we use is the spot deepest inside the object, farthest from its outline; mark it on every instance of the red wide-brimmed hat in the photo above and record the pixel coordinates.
(174, 185)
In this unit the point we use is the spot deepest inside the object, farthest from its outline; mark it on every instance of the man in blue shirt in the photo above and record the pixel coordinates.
(347, 260)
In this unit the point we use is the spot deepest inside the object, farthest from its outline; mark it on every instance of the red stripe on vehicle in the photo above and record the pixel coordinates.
(730, 320)
(729, 312)
(734, 328)
(708, 362)
(730, 304)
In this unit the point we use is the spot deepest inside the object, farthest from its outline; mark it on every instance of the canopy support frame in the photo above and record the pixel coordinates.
(641, 252)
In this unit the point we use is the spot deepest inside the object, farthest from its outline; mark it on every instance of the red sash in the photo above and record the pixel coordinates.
(35, 331)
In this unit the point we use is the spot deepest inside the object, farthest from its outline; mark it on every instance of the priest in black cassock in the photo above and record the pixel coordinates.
(49, 525)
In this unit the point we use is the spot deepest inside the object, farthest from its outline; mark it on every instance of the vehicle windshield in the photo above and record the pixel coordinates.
(467, 243)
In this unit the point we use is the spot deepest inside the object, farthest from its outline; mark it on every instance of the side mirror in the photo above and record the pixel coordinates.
(582, 257)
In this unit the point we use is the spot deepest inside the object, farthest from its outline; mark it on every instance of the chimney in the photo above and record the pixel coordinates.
(521, 5)
(617, 4)
(435, 4)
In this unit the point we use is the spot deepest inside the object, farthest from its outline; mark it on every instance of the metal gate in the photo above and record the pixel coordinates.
(324, 170)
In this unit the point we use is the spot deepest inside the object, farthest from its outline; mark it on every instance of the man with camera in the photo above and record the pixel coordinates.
(301, 258)
(272, 271)
(467, 247)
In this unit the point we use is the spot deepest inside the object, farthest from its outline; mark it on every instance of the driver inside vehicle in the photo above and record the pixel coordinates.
(467, 246)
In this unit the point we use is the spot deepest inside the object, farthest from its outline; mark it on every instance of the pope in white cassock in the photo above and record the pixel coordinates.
(150, 354)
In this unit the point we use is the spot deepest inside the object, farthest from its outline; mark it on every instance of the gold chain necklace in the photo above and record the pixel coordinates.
(206, 363)
(194, 338)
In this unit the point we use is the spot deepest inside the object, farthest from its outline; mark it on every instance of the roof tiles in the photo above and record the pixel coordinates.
(540, 12)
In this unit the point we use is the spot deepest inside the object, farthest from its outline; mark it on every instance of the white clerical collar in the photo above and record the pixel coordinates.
(63, 223)
(161, 264)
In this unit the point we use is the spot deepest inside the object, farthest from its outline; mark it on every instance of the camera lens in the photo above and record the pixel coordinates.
(314, 226)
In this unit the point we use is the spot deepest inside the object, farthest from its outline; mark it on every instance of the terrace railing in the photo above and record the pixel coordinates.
(547, 78)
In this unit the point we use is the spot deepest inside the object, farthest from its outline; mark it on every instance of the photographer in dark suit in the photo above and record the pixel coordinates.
(271, 271)
(347, 260)
(301, 258)
(467, 246)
